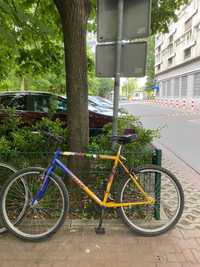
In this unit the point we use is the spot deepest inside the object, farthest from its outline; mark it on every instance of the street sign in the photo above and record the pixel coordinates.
(136, 19)
(156, 87)
(133, 60)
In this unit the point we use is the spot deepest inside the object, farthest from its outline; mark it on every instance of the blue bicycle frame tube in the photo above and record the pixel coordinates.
(40, 193)
(54, 163)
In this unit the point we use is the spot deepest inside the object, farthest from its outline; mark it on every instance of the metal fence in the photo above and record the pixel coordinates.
(95, 175)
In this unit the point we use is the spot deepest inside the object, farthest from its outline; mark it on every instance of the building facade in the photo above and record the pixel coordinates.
(177, 53)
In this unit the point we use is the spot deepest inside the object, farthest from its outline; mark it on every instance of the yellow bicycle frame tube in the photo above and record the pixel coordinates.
(117, 160)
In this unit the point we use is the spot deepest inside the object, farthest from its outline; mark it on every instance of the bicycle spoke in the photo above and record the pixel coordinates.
(41, 218)
(152, 218)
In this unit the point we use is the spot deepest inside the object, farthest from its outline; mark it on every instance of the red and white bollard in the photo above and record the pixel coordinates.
(192, 105)
(184, 104)
(177, 103)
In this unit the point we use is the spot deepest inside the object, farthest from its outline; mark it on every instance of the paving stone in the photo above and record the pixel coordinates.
(190, 181)
(180, 247)
(189, 256)
(169, 264)
(175, 257)
(196, 253)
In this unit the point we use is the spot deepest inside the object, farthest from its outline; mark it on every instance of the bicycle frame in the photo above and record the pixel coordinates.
(118, 160)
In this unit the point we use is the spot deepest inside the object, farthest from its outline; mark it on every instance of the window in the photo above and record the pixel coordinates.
(187, 53)
(188, 36)
(163, 89)
(5, 100)
(159, 48)
(171, 38)
(171, 49)
(176, 86)
(170, 61)
(39, 103)
(13, 101)
(18, 102)
(58, 104)
(158, 67)
(188, 24)
(178, 41)
(197, 84)
(169, 88)
(184, 84)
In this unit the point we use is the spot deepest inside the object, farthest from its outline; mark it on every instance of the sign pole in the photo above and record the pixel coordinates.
(118, 67)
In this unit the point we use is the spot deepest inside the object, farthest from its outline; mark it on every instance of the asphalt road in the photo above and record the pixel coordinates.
(180, 132)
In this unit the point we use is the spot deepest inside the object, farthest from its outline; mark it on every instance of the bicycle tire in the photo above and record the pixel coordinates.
(12, 170)
(158, 226)
(25, 228)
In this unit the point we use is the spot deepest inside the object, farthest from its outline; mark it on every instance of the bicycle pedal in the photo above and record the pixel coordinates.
(100, 231)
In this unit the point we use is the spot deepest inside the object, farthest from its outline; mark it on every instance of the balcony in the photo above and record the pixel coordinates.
(188, 39)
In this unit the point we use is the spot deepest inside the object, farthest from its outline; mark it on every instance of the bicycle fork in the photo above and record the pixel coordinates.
(40, 193)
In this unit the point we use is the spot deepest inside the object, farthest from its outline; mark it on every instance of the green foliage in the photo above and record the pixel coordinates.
(100, 86)
(23, 145)
(137, 152)
(10, 123)
(4, 147)
(150, 68)
(31, 43)
(129, 87)
(164, 12)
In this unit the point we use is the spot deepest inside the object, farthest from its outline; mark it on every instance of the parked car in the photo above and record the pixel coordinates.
(32, 106)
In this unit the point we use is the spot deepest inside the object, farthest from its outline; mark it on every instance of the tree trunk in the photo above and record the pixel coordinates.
(74, 15)
(23, 84)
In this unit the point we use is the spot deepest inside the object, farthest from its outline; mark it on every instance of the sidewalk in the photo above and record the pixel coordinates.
(80, 246)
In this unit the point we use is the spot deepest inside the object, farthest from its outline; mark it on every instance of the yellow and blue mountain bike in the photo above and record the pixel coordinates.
(150, 199)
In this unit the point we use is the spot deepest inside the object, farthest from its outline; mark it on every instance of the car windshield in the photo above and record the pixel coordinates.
(105, 101)
(99, 101)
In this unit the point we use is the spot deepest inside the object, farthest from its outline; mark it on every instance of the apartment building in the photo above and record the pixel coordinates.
(177, 54)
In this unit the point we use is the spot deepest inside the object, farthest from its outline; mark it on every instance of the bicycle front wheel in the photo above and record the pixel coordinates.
(5, 172)
(41, 220)
(155, 219)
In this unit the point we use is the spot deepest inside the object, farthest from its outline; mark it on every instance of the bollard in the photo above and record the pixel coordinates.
(177, 103)
(184, 104)
(192, 105)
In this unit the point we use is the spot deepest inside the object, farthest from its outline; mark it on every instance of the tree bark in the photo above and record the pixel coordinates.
(74, 15)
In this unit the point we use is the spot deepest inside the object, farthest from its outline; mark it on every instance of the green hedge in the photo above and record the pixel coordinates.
(21, 147)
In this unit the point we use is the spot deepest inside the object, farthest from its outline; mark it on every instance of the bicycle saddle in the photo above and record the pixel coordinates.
(125, 139)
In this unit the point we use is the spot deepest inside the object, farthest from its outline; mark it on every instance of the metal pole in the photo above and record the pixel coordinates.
(118, 66)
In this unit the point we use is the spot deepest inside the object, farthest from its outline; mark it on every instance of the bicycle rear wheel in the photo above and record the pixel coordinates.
(155, 219)
(5, 172)
(41, 220)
